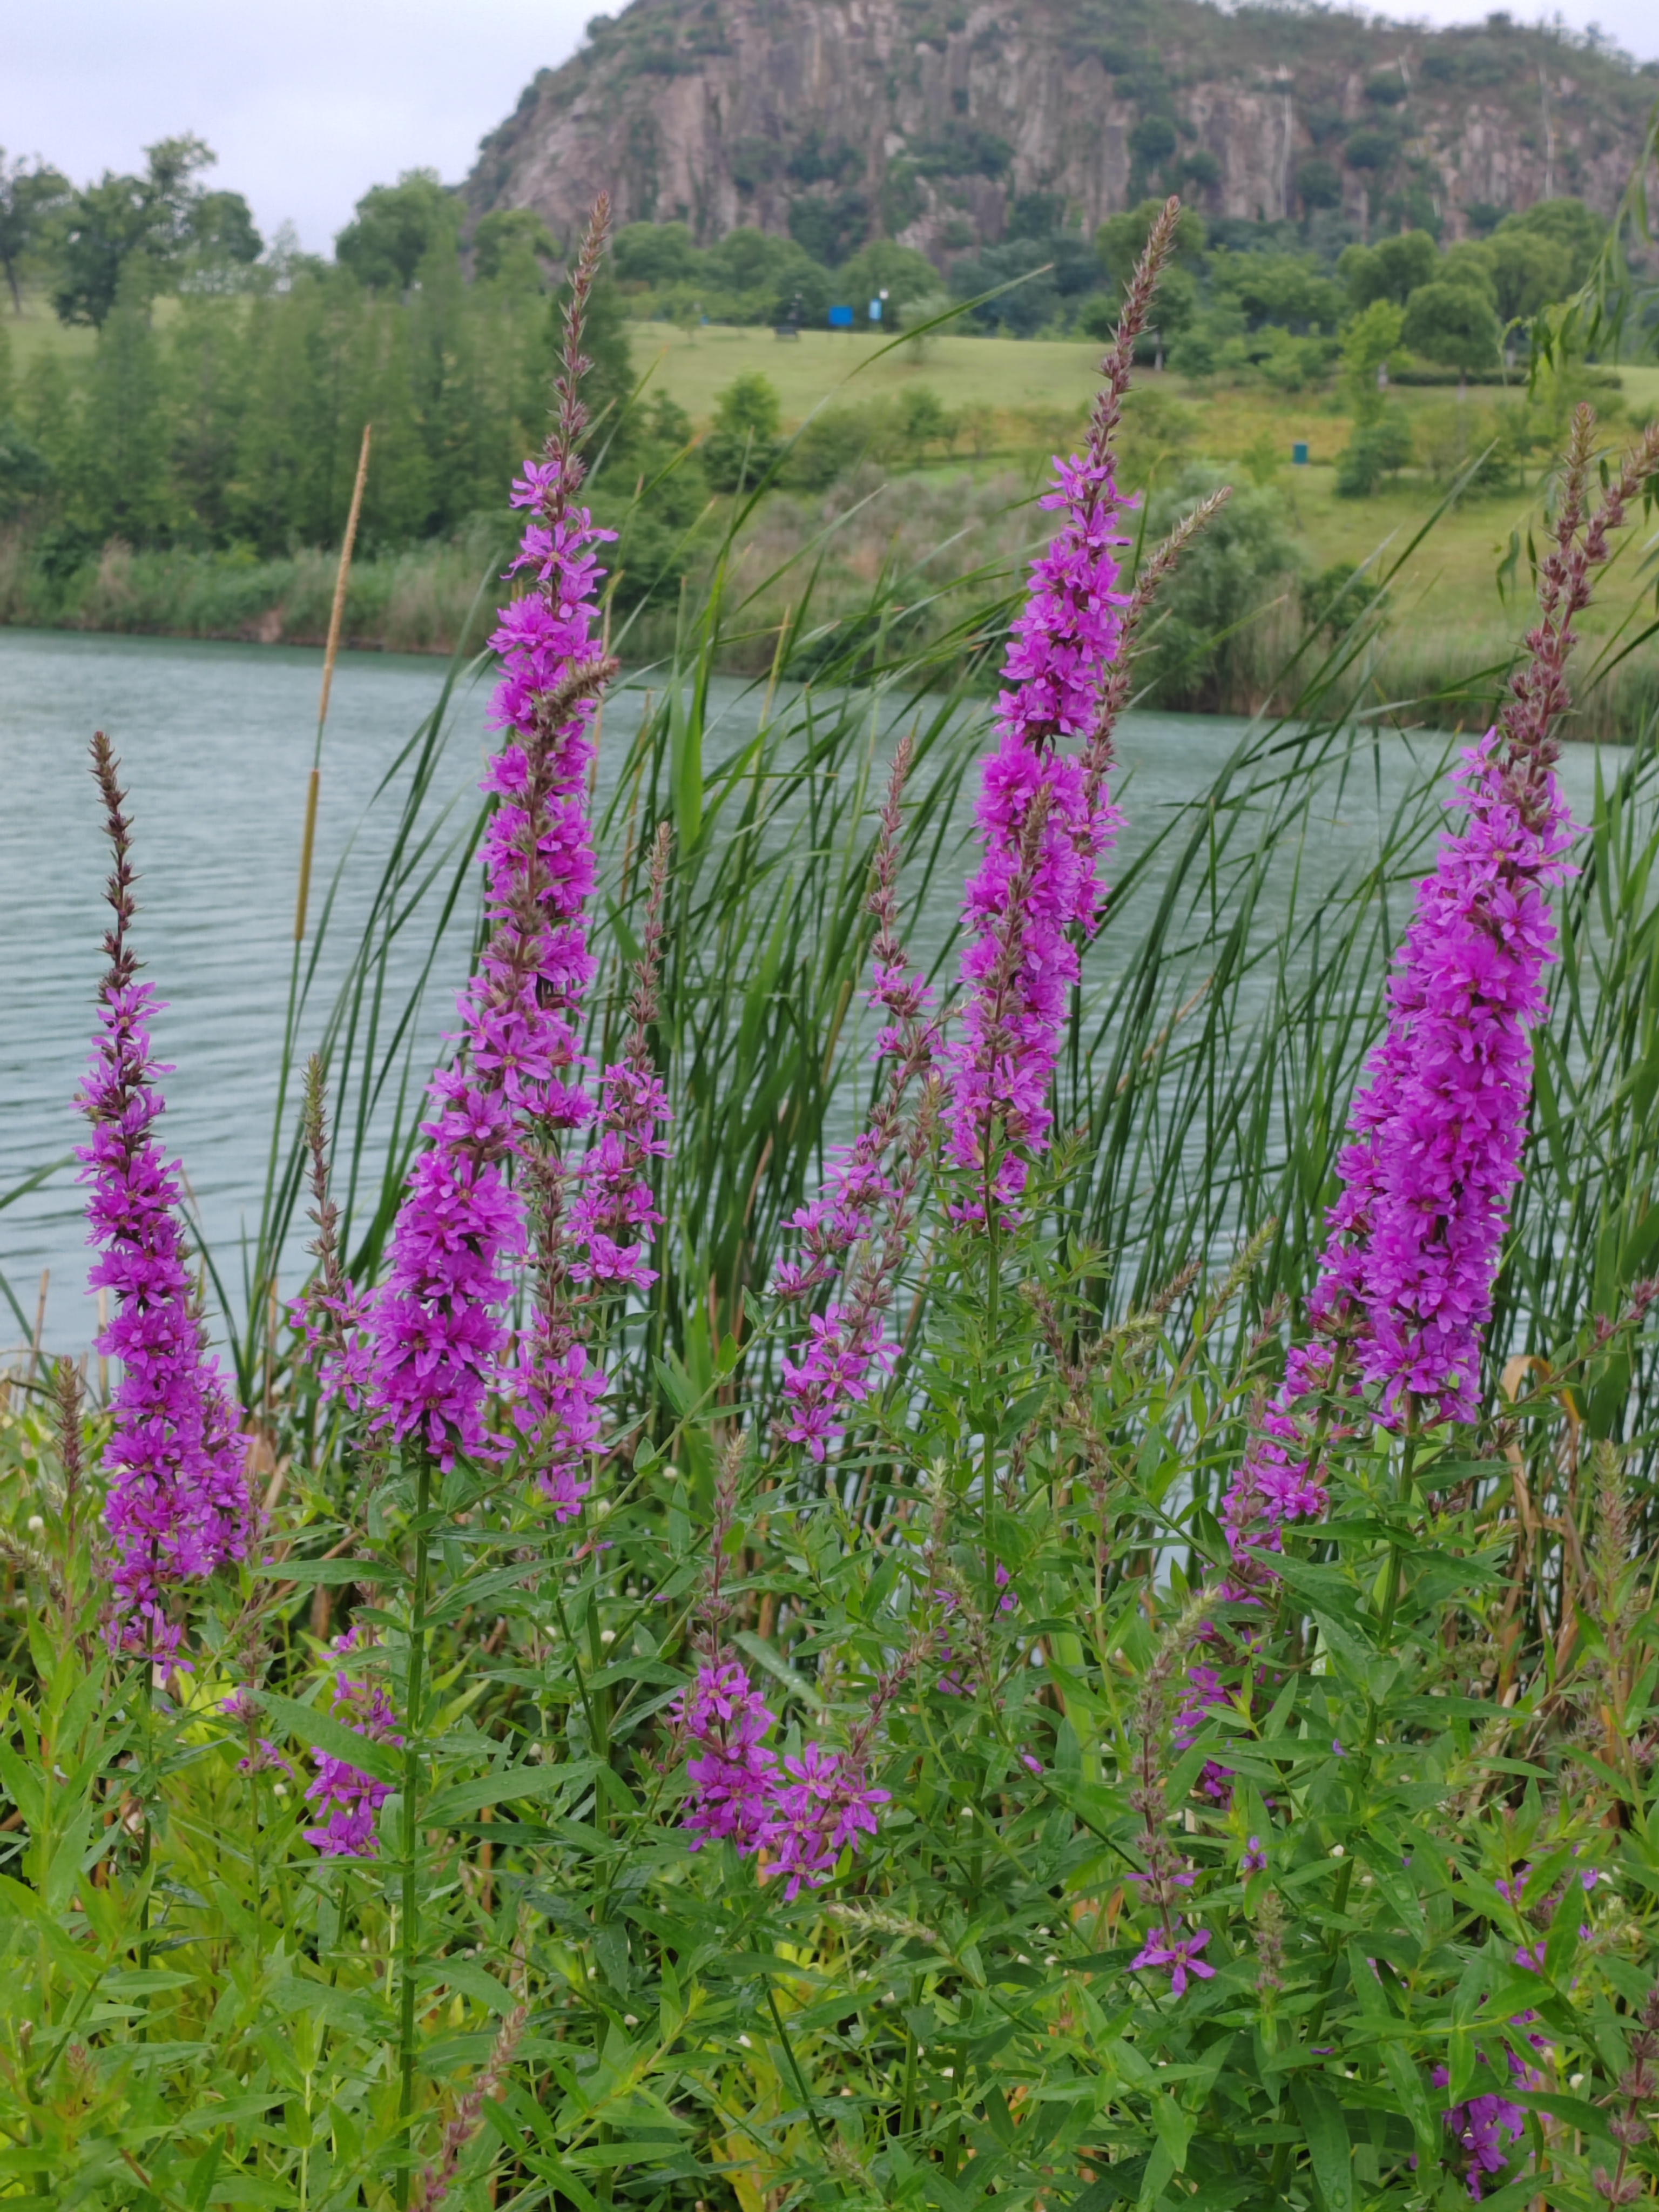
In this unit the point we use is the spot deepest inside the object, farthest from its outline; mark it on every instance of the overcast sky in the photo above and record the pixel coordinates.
(308, 102)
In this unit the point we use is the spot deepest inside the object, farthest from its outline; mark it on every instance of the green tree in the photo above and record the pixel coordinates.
(399, 500)
(122, 485)
(1454, 324)
(655, 253)
(1369, 341)
(748, 260)
(125, 236)
(1121, 239)
(1032, 299)
(280, 494)
(512, 242)
(1235, 567)
(1565, 222)
(1290, 289)
(1468, 263)
(47, 409)
(29, 196)
(1152, 141)
(1530, 270)
(744, 441)
(899, 270)
(208, 377)
(1391, 269)
(395, 227)
(24, 472)
(1318, 184)
(222, 235)
(828, 227)
(1379, 447)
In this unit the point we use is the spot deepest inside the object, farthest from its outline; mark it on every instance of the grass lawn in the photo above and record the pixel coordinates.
(1451, 583)
(692, 367)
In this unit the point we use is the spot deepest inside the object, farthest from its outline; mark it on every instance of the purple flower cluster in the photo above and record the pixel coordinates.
(1164, 1948)
(801, 1813)
(866, 1203)
(1044, 822)
(1439, 1127)
(438, 1341)
(354, 1796)
(1487, 2129)
(178, 1504)
(1276, 1485)
(429, 1351)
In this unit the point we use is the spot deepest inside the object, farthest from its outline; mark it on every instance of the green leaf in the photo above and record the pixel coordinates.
(1174, 2127)
(515, 1785)
(1329, 2152)
(324, 1733)
(308, 1573)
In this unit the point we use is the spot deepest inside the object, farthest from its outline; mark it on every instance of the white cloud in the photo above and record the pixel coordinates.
(307, 103)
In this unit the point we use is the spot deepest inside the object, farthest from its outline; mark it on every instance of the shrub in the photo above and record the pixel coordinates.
(1203, 646)
(744, 441)
(1454, 322)
(1377, 448)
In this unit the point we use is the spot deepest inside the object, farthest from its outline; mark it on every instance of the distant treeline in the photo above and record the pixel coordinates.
(223, 404)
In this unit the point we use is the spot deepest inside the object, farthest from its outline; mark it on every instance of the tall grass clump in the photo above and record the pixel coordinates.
(885, 1562)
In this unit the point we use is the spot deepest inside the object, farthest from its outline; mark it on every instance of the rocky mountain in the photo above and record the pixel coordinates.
(944, 125)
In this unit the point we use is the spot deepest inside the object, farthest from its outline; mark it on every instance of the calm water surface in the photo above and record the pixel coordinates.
(216, 743)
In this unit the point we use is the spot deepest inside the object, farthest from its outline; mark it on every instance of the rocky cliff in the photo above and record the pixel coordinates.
(938, 123)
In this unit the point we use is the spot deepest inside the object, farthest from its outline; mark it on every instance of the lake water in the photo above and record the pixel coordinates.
(216, 743)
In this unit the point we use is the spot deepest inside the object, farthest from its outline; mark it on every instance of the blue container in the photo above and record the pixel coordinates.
(1299, 452)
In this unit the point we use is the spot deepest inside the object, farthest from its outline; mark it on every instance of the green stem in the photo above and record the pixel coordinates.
(145, 1780)
(409, 1932)
(1391, 1597)
(801, 2089)
(1283, 2154)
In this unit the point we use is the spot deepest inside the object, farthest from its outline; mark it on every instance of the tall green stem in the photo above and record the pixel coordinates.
(1391, 1595)
(409, 1932)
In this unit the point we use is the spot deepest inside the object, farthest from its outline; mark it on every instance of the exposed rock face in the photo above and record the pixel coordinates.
(838, 119)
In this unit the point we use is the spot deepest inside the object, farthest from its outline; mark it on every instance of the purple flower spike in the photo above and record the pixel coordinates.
(1045, 822)
(823, 1809)
(349, 1797)
(858, 1228)
(429, 1351)
(1439, 1127)
(731, 1776)
(177, 1505)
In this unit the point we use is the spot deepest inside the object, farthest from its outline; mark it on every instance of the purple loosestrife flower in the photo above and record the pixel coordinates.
(858, 1226)
(1487, 2129)
(1179, 1954)
(1272, 1488)
(438, 1346)
(732, 1774)
(1044, 822)
(1439, 1127)
(177, 1505)
(1044, 816)
(824, 1807)
(354, 1796)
